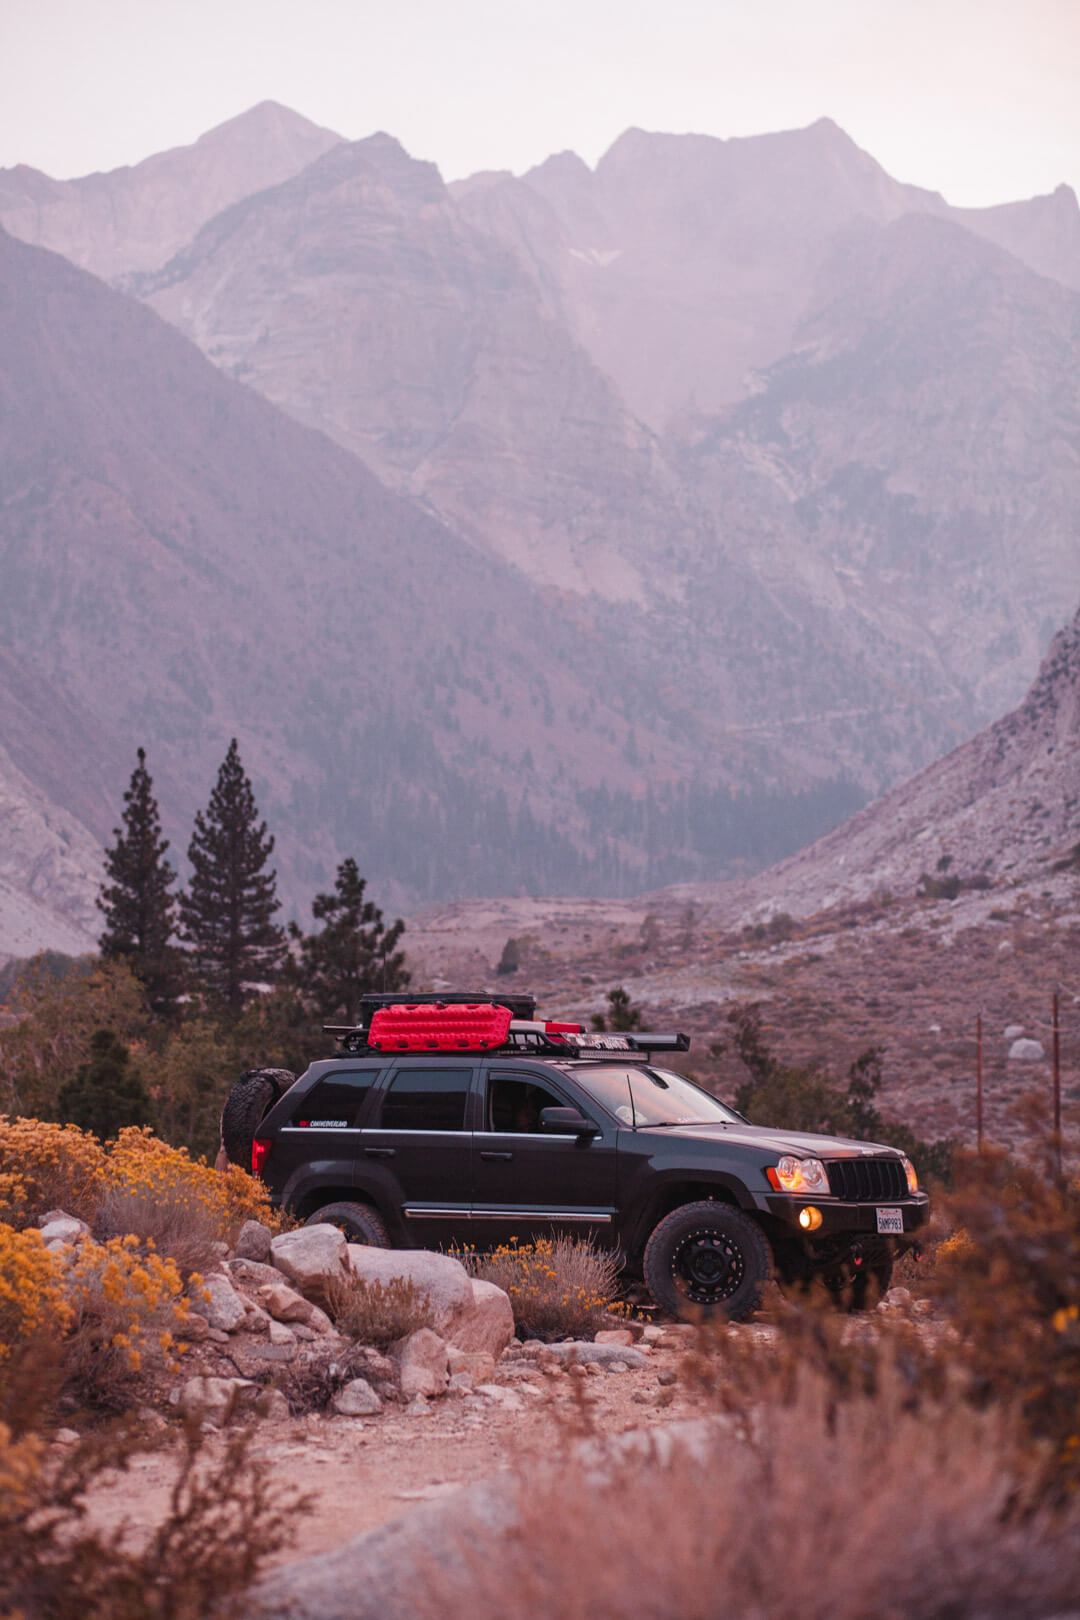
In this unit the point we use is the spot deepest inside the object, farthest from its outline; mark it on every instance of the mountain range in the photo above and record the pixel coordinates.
(593, 529)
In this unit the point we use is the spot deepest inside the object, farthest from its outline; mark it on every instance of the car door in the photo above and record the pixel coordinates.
(527, 1182)
(420, 1143)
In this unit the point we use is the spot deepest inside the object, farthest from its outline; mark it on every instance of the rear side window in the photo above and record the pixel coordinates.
(335, 1102)
(426, 1100)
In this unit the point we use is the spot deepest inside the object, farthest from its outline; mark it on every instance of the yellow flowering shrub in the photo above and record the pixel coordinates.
(162, 1195)
(125, 1303)
(44, 1166)
(557, 1286)
(32, 1300)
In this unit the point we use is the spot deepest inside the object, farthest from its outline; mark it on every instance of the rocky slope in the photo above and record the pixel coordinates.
(357, 298)
(1004, 806)
(136, 218)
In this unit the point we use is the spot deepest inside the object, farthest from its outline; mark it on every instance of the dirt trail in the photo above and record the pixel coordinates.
(363, 1472)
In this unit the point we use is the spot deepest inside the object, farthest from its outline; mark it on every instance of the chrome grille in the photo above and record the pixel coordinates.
(867, 1181)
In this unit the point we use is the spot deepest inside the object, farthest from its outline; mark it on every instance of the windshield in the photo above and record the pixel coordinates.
(648, 1096)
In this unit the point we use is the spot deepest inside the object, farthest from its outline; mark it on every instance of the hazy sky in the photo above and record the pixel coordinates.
(979, 99)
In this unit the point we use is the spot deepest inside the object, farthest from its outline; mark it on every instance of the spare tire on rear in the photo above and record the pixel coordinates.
(247, 1104)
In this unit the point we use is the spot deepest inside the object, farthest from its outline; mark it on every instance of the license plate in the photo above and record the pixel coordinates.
(890, 1220)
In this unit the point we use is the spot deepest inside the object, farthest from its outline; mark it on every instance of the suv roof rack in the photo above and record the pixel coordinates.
(460, 1022)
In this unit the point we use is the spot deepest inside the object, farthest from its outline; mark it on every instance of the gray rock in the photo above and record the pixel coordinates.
(212, 1400)
(252, 1272)
(272, 1405)
(1026, 1051)
(357, 1399)
(1013, 1032)
(598, 1355)
(220, 1303)
(421, 1364)
(507, 1399)
(61, 1228)
(254, 1242)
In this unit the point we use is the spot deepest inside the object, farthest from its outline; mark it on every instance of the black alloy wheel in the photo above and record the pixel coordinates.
(707, 1258)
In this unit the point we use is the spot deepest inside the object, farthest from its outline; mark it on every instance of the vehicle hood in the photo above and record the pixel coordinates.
(803, 1144)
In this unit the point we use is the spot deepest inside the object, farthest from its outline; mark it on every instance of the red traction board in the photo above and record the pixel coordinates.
(412, 1027)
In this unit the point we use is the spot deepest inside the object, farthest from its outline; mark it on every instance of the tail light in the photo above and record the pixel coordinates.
(260, 1152)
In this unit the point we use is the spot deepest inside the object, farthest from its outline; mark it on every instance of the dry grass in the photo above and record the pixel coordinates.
(806, 1510)
(226, 1515)
(378, 1313)
(558, 1287)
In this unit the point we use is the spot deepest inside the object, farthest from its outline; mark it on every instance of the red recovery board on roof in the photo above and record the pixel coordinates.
(414, 1027)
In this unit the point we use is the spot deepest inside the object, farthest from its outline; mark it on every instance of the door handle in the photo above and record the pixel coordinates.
(380, 1153)
(490, 1155)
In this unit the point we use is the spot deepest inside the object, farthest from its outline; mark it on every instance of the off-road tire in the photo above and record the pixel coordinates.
(247, 1104)
(707, 1259)
(359, 1222)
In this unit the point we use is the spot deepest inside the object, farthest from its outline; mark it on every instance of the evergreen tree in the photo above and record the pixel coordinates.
(354, 952)
(622, 1014)
(227, 911)
(139, 910)
(106, 1094)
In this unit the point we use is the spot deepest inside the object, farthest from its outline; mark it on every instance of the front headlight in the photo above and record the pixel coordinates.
(911, 1173)
(793, 1175)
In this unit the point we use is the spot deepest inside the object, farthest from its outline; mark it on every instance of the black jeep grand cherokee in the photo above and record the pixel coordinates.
(453, 1121)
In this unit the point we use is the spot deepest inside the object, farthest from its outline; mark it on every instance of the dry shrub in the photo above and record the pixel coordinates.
(166, 1198)
(310, 1383)
(44, 1167)
(378, 1313)
(807, 1510)
(225, 1516)
(558, 1287)
(1009, 1283)
(124, 1305)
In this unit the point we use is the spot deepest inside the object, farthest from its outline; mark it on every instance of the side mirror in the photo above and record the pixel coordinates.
(567, 1121)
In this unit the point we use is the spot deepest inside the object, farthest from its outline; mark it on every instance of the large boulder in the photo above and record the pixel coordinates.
(311, 1258)
(469, 1314)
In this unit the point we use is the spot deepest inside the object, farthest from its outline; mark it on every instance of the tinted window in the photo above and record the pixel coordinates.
(426, 1100)
(334, 1103)
(514, 1103)
(640, 1096)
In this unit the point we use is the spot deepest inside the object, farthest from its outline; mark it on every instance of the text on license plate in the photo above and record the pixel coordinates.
(890, 1220)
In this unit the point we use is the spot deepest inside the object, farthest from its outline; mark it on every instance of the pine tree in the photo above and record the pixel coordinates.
(105, 1094)
(229, 905)
(139, 910)
(352, 955)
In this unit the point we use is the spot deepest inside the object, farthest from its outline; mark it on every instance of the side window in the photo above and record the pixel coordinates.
(335, 1102)
(426, 1100)
(514, 1103)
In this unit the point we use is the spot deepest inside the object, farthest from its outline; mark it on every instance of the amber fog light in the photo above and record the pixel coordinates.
(809, 1218)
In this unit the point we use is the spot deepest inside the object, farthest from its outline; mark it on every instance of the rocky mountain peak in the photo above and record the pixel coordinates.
(135, 218)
